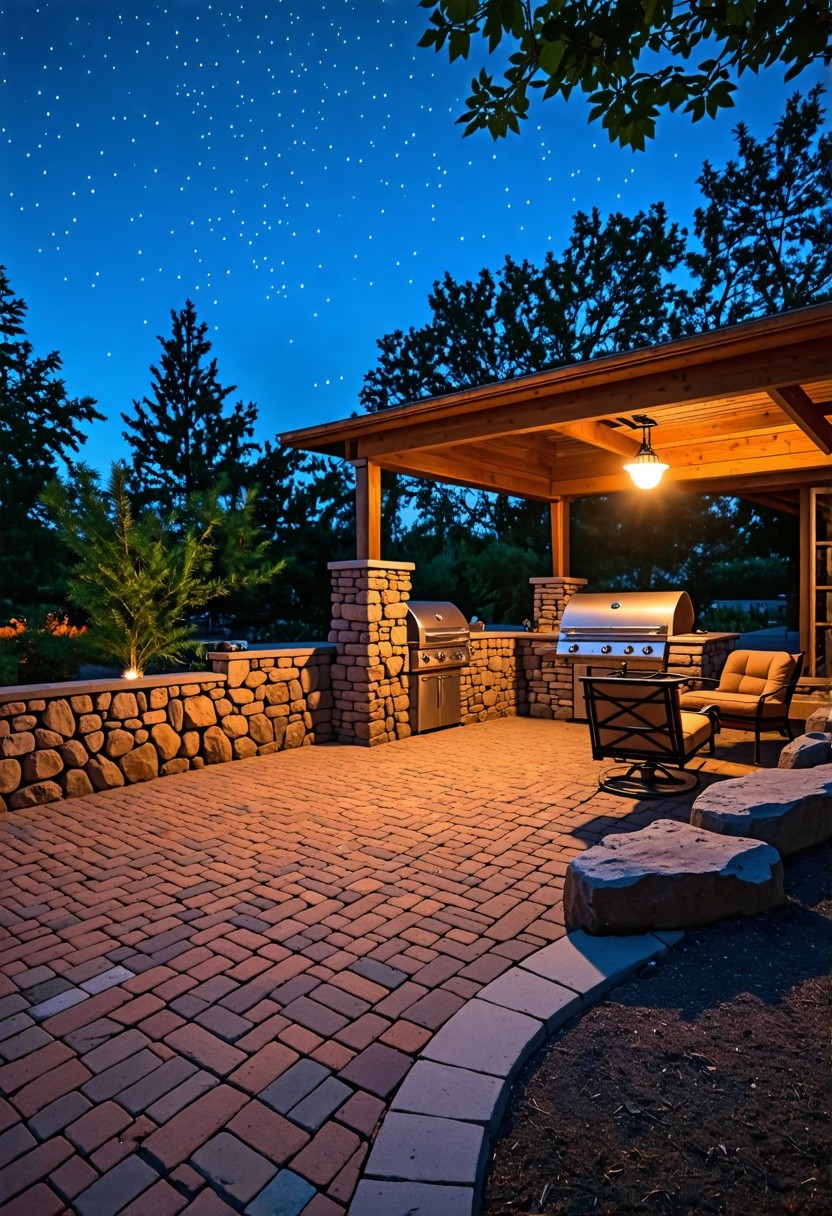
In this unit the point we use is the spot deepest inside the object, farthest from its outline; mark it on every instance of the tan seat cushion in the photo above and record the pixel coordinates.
(731, 704)
(696, 730)
(756, 672)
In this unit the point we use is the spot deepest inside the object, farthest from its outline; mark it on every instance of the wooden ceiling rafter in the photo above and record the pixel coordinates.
(810, 416)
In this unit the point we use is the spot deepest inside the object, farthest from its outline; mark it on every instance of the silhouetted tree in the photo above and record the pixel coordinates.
(765, 233)
(40, 430)
(184, 439)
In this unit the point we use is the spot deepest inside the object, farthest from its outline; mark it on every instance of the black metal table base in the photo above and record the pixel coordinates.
(647, 779)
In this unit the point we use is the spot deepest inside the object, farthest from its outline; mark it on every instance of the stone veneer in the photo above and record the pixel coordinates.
(700, 655)
(370, 674)
(515, 674)
(551, 595)
(67, 740)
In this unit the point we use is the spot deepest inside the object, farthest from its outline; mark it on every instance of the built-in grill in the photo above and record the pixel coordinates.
(438, 643)
(600, 631)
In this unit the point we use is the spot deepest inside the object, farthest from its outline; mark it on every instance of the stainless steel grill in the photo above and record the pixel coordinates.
(600, 631)
(438, 642)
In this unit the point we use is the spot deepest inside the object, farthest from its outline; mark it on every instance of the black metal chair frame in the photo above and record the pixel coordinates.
(649, 774)
(759, 723)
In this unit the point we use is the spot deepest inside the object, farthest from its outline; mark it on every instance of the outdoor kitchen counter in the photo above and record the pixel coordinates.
(521, 634)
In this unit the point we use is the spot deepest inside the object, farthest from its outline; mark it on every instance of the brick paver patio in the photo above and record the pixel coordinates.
(213, 984)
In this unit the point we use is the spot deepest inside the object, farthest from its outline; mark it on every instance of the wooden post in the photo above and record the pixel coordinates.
(367, 510)
(806, 605)
(559, 523)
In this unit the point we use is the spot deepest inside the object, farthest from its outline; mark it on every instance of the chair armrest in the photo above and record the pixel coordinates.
(780, 688)
(712, 712)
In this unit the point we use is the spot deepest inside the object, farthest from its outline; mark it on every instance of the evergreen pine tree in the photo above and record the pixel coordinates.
(183, 439)
(40, 426)
(139, 578)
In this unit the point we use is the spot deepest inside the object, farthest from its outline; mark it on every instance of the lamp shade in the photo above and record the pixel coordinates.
(647, 470)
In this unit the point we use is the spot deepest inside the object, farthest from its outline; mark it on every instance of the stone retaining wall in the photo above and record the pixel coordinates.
(68, 740)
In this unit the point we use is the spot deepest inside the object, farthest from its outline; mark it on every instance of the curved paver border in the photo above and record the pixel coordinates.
(430, 1154)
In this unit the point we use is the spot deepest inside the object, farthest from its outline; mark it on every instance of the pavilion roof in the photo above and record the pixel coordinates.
(742, 410)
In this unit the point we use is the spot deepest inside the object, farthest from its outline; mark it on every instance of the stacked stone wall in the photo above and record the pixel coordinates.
(371, 702)
(492, 686)
(700, 658)
(65, 741)
(551, 595)
(548, 679)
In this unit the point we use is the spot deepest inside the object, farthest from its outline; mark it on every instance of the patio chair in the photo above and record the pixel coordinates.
(754, 692)
(638, 720)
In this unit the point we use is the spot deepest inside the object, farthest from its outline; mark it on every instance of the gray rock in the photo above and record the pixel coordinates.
(669, 876)
(789, 808)
(819, 719)
(807, 751)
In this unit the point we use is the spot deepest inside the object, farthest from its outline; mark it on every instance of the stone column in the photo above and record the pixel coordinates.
(370, 671)
(551, 595)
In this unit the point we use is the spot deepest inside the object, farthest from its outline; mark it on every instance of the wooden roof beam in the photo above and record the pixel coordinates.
(600, 436)
(774, 502)
(803, 411)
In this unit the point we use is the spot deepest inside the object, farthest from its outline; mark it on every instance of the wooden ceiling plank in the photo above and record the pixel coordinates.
(574, 484)
(469, 473)
(805, 413)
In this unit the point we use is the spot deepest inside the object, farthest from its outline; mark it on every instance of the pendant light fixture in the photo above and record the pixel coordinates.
(646, 469)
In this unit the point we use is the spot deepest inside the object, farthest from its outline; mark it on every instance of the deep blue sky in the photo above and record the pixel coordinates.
(291, 165)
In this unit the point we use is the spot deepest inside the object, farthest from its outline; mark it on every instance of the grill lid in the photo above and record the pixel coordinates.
(602, 619)
(435, 623)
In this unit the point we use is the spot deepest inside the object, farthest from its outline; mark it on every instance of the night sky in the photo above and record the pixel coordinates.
(294, 167)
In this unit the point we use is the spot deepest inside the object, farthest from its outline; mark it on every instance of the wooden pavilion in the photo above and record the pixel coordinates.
(743, 410)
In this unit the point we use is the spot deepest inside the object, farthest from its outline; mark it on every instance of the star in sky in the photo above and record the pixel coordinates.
(292, 166)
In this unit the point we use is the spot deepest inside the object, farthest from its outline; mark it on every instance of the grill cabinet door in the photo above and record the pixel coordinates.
(438, 700)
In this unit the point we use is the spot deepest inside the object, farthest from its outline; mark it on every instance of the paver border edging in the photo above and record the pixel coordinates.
(431, 1151)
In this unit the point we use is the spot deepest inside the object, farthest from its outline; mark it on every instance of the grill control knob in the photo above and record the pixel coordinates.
(425, 658)
(606, 648)
(573, 648)
(647, 649)
(459, 656)
(441, 656)
(629, 649)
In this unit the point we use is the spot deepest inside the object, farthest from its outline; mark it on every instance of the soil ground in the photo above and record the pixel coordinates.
(701, 1086)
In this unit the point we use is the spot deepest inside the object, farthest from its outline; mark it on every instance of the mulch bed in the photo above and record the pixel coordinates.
(701, 1086)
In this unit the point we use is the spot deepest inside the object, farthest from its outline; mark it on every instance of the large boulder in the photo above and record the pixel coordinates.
(789, 808)
(807, 751)
(820, 719)
(669, 876)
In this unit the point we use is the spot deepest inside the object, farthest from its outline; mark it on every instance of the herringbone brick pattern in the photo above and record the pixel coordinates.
(212, 984)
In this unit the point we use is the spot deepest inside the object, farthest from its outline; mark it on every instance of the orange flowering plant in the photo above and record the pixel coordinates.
(51, 651)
